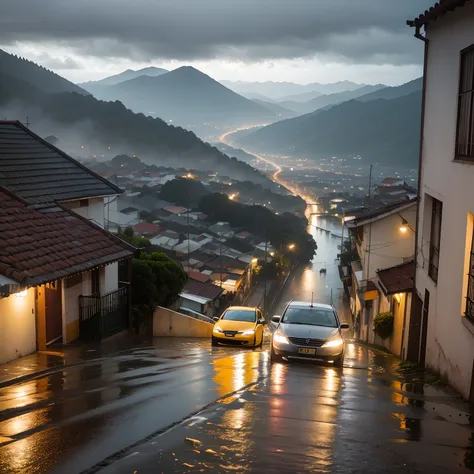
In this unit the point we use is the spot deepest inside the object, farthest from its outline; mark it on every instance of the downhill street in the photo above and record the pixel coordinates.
(178, 406)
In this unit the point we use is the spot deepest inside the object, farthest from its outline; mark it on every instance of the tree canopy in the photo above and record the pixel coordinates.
(185, 192)
(282, 229)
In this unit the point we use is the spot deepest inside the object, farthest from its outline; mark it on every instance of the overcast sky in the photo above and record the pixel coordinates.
(257, 40)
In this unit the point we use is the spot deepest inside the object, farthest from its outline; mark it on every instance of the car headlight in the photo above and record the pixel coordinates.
(333, 343)
(279, 338)
(249, 332)
(218, 330)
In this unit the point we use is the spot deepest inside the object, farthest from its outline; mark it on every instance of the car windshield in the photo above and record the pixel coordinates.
(240, 315)
(310, 316)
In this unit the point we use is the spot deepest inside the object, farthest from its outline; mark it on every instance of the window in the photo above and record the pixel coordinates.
(95, 281)
(465, 126)
(435, 239)
(470, 285)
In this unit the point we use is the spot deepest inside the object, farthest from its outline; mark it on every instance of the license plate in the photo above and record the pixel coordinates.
(229, 335)
(305, 350)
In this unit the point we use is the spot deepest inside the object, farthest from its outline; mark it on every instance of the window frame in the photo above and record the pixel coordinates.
(433, 270)
(470, 155)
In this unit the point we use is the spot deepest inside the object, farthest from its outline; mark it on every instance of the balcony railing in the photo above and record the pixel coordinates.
(103, 316)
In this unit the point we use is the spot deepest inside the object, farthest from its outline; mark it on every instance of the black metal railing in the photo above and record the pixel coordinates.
(103, 316)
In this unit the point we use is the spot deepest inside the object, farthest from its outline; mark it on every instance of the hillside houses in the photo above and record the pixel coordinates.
(57, 260)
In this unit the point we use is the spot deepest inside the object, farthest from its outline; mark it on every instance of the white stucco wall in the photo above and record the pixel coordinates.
(450, 343)
(70, 307)
(17, 326)
(109, 278)
(94, 211)
(388, 245)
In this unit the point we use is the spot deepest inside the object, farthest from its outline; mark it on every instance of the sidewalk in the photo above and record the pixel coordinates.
(59, 356)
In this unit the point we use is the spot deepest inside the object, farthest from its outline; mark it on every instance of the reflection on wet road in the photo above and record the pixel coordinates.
(181, 406)
(303, 418)
(307, 280)
(76, 417)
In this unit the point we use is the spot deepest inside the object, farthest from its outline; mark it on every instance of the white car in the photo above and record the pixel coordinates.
(308, 331)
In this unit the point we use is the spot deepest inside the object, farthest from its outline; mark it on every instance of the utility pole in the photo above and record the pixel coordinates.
(220, 260)
(369, 194)
(342, 235)
(187, 225)
(265, 279)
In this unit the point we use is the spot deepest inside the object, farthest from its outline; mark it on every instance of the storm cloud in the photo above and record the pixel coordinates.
(347, 31)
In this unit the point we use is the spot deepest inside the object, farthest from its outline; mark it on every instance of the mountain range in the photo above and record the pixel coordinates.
(80, 120)
(382, 127)
(190, 98)
(329, 99)
(285, 90)
(125, 76)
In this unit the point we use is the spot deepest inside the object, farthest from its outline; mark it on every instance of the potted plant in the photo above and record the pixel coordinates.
(383, 324)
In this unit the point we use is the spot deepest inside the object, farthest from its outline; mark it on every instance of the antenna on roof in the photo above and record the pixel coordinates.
(27, 123)
(311, 299)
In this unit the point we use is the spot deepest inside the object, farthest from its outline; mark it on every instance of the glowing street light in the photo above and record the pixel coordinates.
(291, 246)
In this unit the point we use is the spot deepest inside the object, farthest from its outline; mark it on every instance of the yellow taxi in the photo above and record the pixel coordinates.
(239, 326)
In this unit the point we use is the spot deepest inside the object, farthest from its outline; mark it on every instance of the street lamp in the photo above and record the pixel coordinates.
(291, 246)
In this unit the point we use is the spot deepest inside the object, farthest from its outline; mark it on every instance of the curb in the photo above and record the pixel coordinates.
(40, 373)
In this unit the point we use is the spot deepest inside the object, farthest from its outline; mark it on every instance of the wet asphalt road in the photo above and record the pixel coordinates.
(179, 406)
(240, 413)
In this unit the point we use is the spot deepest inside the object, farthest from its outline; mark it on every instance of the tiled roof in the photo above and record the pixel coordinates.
(391, 180)
(38, 172)
(38, 246)
(175, 209)
(398, 279)
(367, 215)
(438, 9)
(147, 228)
(198, 276)
(205, 290)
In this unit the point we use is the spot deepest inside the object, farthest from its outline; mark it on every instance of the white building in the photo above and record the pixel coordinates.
(59, 252)
(384, 238)
(442, 330)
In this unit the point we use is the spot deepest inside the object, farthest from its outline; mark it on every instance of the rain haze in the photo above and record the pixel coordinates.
(254, 40)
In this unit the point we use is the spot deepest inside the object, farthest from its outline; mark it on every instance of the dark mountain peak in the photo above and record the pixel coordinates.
(189, 71)
(36, 75)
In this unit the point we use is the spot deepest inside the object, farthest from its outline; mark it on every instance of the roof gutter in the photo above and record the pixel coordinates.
(426, 42)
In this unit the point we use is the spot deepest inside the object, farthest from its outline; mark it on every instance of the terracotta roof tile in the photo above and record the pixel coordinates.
(205, 290)
(51, 243)
(398, 279)
(438, 9)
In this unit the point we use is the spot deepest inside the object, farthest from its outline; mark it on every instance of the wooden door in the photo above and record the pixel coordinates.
(54, 323)
(413, 352)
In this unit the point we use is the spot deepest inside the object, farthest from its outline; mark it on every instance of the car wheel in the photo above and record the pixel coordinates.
(273, 355)
(214, 341)
(339, 362)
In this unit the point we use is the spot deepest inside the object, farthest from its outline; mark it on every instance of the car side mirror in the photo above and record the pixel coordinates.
(276, 319)
(344, 326)
(262, 321)
(215, 318)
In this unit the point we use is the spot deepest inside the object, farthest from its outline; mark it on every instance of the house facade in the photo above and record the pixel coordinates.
(59, 268)
(443, 306)
(385, 240)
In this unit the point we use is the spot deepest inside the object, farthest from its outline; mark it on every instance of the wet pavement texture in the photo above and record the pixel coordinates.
(304, 418)
(176, 406)
(182, 406)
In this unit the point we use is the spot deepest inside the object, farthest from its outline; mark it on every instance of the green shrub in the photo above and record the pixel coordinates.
(383, 324)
